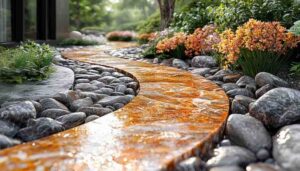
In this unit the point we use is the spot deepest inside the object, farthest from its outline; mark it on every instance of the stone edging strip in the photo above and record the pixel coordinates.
(175, 115)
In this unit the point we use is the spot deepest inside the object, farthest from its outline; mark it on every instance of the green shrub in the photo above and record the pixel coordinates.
(192, 16)
(233, 13)
(28, 62)
(130, 25)
(229, 13)
(151, 24)
(151, 53)
(296, 28)
(93, 28)
(77, 42)
(2, 48)
(253, 62)
(295, 69)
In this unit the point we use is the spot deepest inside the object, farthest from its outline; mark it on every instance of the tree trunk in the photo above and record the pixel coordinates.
(166, 12)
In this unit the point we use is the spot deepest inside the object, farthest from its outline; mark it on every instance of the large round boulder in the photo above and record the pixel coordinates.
(248, 132)
(75, 35)
(286, 147)
(38, 128)
(18, 113)
(231, 156)
(264, 78)
(277, 108)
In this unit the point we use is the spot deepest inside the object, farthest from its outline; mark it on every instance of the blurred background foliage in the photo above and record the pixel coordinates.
(108, 15)
(143, 15)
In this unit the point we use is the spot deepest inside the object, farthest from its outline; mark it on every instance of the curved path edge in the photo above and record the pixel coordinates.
(175, 115)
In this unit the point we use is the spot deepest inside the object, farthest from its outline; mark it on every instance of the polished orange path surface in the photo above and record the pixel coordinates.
(175, 115)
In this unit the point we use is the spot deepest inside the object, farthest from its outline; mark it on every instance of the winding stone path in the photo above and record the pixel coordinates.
(175, 115)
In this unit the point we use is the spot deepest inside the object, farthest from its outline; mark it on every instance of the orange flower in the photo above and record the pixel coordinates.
(201, 41)
(169, 44)
(256, 35)
(120, 35)
(147, 37)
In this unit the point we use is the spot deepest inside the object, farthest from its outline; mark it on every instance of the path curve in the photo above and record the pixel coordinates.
(174, 116)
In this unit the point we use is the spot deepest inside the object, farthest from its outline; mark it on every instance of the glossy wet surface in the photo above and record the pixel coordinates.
(175, 115)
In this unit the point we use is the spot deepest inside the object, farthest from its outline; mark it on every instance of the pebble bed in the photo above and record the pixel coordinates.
(263, 131)
(97, 91)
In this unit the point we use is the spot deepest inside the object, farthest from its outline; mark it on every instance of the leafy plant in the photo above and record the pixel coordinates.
(2, 48)
(77, 42)
(230, 13)
(150, 52)
(233, 13)
(28, 62)
(295, 69)
(296, 28)
(253, 62)
(192, 16)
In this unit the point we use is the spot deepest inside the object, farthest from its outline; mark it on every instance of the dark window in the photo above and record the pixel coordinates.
(27, 19)
(5, 20)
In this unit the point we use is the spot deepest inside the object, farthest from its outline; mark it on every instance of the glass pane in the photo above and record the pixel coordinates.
(5, 21)
(30, 19)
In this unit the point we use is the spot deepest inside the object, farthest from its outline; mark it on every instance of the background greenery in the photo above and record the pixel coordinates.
(232, 13)
(110, 15)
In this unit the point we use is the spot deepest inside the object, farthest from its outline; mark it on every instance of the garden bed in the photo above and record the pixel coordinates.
(262, 107)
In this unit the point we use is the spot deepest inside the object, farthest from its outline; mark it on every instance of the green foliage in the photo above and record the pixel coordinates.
(295, 69)
(253, 62)
(77, 42)
(221, 60)
(109, 15)
(151, 24)
(150, 52)
(296, 28)
(229, 13)
(178, 53)
(85, 13)
(192, 16)
(233, 13)
(93, 28)
(28, 62)
(130, 25)
(2, 49)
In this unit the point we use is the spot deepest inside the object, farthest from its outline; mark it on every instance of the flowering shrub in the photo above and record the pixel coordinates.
(121, 36)
(257, 46)
(171, 46)
(147, 37)
(201, 41)
(257, 35)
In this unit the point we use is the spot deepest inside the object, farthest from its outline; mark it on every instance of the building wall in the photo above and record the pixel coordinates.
(62, 19)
